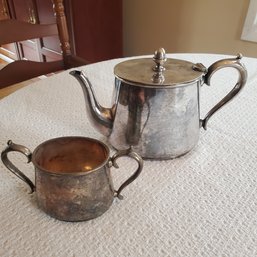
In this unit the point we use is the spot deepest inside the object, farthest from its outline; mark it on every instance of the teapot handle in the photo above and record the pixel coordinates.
(132, 155)
(234, 63)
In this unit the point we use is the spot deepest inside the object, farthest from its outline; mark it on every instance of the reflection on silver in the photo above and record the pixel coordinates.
(156, 111)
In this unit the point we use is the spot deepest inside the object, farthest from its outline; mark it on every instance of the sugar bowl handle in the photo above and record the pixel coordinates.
(234, 63)
(132, 155)
(11, 147)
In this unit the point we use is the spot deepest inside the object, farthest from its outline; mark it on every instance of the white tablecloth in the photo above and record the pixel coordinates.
(202, 204)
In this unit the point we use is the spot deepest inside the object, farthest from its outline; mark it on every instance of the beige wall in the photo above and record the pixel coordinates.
(204, 26)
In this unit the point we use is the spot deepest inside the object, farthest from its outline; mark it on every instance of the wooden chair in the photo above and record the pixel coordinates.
(15, 31)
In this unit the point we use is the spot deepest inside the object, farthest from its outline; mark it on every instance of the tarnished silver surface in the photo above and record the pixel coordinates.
(157, 123)
(72, 176)
(140, 72)
(155, 108)
(11, 147)
(159, 59)
(234, 63)
(102, 118)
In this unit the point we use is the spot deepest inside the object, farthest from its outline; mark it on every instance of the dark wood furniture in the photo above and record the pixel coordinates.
(12, 30)
(8, 50)
(95, 29)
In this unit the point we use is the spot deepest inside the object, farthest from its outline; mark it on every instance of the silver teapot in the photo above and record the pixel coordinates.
(155, 109)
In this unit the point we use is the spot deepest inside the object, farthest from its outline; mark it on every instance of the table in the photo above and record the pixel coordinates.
(201, 204)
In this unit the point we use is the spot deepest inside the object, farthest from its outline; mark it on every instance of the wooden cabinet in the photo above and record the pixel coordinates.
(9, 50)
(34, 11)
(24, 10)
(95, 28)
(49, 47)
(4, 14)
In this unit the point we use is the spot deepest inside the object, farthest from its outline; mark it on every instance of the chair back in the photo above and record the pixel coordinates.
(15, 31)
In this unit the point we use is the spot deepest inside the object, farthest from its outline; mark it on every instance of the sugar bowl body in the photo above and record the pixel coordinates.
(72, 176)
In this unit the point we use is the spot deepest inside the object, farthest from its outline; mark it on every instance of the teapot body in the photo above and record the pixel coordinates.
(155, 109)
(157, 123)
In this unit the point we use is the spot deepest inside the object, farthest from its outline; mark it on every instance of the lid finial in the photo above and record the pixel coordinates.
(159, 59)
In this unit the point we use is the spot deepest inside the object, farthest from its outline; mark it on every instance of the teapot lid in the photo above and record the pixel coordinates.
(159, 71)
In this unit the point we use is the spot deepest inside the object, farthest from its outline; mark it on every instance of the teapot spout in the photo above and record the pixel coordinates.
(100, 117)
